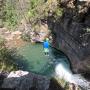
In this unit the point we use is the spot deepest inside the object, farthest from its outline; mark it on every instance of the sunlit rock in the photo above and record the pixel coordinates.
(17, 74)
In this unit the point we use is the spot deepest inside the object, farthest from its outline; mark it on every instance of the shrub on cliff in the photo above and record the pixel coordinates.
(25, 37)
(6, 64)
(10, 15)
(41, 9)
(31, 10)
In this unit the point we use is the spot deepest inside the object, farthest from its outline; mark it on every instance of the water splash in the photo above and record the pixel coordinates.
(62, 70)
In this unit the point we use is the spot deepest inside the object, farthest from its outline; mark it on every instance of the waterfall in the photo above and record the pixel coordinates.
(62, 70)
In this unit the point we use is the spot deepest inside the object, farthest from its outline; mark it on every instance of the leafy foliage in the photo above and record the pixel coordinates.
(41, 9)
(10, 15)
(6, 64)
(58, 13)
(25, 37)
(33, 12)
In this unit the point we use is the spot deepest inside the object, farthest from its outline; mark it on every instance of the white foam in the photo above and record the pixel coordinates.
(64, 73)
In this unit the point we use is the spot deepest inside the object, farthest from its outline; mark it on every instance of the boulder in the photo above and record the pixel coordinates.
(23, 80)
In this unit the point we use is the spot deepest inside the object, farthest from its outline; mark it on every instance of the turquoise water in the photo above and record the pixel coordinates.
(35, 59)
(32, 58)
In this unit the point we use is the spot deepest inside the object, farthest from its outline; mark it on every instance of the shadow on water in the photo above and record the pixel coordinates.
(33, 55)
(18, 59)
(59, 56)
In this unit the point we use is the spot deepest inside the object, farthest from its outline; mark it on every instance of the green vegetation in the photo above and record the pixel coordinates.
(6, 64)
(10, 15)
(32, 10)
(40, 9)
(25, 37)
(36, 11)
(1, 12)
(58, 13)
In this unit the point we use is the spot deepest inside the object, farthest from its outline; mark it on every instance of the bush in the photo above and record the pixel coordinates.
(25, 37)
(58, 13)
(10, 16)
(6, 63)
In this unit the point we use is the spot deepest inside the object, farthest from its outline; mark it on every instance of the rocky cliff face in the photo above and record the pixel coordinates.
(71, 33)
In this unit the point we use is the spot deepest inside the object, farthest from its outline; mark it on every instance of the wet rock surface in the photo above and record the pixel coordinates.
(71, 33)
(22, 80)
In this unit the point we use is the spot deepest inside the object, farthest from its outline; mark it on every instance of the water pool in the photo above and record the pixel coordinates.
(32, 58)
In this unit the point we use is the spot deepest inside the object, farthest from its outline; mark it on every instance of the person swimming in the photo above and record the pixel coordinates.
(46, 46)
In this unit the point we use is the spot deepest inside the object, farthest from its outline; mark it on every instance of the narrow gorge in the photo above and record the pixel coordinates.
(24, 26)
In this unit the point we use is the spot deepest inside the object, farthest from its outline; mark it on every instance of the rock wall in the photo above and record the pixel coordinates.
(71, 33)
(23, 80)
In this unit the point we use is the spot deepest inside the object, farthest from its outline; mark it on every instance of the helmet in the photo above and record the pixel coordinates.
(47, 39)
